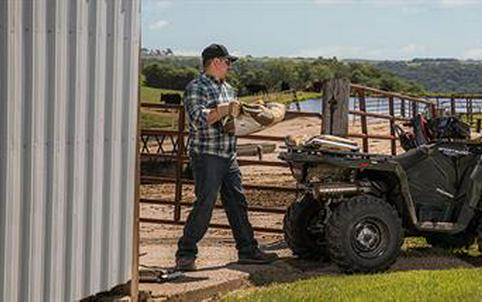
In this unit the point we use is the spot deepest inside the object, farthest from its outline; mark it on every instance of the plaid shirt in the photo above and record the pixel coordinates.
(202, 94)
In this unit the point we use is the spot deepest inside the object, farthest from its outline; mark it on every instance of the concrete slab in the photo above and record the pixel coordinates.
(217, 271)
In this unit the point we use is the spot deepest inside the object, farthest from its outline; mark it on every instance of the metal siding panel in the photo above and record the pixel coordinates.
(58, 35)
(129, 125)
(131, 145)
(13, 150)
(3, 138)
(67, 146)
(81, 141)
(38, 177)
(27, 199)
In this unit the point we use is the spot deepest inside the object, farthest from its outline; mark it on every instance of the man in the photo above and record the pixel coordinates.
(211, 107)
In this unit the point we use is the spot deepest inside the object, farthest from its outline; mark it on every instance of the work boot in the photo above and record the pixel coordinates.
(257, 257)
(184, 264)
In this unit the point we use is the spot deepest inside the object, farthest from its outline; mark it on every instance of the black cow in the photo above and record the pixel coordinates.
(171, 98)
(314, 86)
(256, 88)
(285, 86)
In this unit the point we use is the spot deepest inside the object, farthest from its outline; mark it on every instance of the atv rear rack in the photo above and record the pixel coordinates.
(304, 154)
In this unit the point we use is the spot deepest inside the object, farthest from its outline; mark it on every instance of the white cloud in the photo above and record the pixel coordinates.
(159, 24)
(474, 53)
(412, 48)
(364, 52)
(344, 52)
(187, 52)
(408, 5)
(458, 3)
(163, 4)
(157, 3)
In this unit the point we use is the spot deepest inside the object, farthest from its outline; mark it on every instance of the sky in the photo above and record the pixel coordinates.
(347, 29)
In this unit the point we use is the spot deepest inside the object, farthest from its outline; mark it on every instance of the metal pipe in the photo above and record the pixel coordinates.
(213, 225)
(188, 204)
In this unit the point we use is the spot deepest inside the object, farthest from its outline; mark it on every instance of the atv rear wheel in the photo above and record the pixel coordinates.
(303, 229)
(364, 235)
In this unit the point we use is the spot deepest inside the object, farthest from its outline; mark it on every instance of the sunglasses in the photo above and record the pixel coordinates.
(226, 61)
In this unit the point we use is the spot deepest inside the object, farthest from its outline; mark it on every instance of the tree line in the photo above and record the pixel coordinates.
(439, 75)
(175, 72)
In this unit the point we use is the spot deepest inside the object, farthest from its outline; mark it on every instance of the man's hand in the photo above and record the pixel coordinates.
(222, 110)
(234, 108)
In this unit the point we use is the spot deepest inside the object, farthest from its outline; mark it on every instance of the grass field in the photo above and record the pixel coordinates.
(446, 285)
(149, 94)
(155, 119)
(416, 285)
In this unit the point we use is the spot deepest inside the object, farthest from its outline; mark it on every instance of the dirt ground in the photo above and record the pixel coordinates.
(218, 272)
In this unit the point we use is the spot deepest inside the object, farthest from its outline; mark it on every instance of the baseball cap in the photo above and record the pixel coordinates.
(216, 51)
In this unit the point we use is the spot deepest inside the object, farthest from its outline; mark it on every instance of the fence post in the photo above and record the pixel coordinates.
(414, 108)
(364, 127)
(402, 107)
(391, 112)
(179, 165)
(452, 106)
(336, 98)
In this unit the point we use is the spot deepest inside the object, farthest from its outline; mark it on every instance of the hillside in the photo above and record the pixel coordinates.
(438, 75)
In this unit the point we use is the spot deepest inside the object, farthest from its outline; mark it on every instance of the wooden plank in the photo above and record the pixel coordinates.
(364, 127)
(452, 106)
(179, 157)
(336, 97)
(391, 111)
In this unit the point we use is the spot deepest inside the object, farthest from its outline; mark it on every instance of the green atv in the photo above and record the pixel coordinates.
(354, 208)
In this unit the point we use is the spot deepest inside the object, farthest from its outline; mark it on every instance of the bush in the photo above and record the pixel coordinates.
(168, 77)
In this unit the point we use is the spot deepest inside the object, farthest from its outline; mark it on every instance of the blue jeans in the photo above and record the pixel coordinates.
(214, 175)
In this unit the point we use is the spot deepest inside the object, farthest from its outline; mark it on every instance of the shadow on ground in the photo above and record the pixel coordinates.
(289, 269)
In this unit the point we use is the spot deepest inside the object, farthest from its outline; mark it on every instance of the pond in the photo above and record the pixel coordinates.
(380, 105)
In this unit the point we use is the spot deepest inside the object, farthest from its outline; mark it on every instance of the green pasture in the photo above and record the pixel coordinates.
(452, 284)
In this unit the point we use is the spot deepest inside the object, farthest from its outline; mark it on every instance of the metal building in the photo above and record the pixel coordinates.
(68, 116)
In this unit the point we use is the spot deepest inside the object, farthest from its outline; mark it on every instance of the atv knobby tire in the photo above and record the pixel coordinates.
(296, 228)
(364, 235)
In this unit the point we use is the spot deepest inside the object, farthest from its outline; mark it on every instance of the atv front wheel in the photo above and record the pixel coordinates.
(303, 230)
(364, 235)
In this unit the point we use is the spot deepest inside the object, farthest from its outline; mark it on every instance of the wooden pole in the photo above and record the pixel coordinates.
(391, 111)
(364, 126)
(336, 98)
(179, 164)
(452, 106)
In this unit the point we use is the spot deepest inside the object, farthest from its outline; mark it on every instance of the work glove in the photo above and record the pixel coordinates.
(232, 108)
(229, 127)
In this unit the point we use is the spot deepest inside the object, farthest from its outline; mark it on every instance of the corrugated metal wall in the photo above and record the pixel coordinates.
(68, 114)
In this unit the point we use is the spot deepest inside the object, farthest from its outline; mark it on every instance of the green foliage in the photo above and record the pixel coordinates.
(168, 76)
(439, 75)
(174, 72)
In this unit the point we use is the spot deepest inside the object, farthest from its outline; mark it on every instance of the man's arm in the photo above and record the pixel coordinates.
(200, 116)
(232, 108)
(194, 103)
